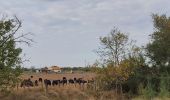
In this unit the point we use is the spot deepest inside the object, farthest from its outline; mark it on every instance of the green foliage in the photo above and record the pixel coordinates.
(76, 69)
(164, 87)
(10, 61)
(148, 92)
(158, 49)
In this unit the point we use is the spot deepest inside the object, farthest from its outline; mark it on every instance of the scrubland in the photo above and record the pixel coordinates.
(69, 92)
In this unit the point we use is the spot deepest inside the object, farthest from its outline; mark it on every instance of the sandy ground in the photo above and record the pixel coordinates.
(54, 76)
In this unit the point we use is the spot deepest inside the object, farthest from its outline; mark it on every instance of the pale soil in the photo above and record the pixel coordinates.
(53, 76)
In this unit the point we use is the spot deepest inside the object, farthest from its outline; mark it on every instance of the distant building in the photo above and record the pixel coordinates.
(52, 69)
(55, 69)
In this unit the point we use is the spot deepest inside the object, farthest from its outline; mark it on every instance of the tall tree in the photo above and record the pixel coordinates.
(158, 50)
(10, 60)
(121, 56)
(113, 47)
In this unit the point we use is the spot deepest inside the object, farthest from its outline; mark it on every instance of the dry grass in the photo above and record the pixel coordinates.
(58, 93)
(156, 98)
(69, 92)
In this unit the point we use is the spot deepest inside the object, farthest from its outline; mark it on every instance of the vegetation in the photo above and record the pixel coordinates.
(132, 70)
(59, 93)
(76, 69)
(120, 60)
(125, 69)
(10, 60)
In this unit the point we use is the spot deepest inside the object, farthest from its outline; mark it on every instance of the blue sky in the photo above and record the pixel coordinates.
(67, 31)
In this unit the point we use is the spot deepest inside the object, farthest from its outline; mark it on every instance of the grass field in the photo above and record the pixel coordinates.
(67, 92)
(58, 93)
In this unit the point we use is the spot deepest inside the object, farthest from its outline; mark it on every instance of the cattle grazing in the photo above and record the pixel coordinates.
(36, 83)
(40, 79)
(81, 81)
(31, 76)
(75, 79)
(27, 83)
(55, 82)
(64, 81)
(71, 81)
(78, 80)
(64, 78)
(47, 82)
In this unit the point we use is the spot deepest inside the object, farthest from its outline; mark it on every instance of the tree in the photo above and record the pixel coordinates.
(158, 50)
(121, 57)
(114, 47)
(10, 60)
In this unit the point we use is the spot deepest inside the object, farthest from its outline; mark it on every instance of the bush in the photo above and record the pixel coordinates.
(164, 87)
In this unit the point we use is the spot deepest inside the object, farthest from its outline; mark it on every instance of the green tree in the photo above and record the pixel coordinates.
(10, 60)
(158, 50)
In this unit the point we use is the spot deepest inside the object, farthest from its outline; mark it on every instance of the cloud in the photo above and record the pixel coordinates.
(67, 31)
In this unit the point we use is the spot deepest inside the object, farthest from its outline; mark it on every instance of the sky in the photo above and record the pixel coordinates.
(66, 32)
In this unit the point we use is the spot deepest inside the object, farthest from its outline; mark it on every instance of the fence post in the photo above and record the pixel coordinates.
(46, 89)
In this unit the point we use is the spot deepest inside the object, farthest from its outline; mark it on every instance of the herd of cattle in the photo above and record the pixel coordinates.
(64, 81)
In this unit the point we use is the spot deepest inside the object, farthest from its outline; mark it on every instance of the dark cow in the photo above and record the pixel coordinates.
(64, 81)
(31, 76)
(36, 83)
(55, 82)
(75, 79)
(64, 78)
(40, 79)
(81, 81)
(71, 81)
(78, 80)
(27, 83)
(47, 82)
